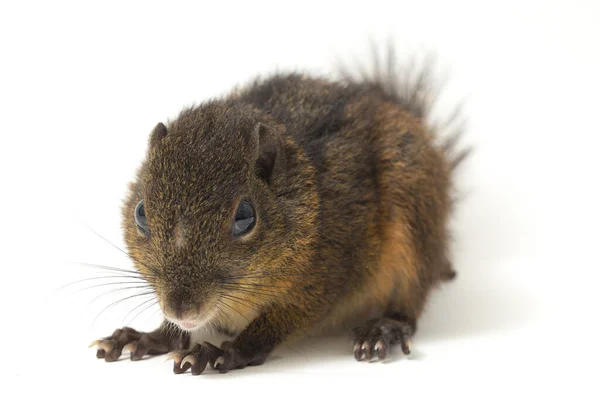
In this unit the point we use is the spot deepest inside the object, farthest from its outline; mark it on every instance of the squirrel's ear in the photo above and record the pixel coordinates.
(269, 151)
(158, 133)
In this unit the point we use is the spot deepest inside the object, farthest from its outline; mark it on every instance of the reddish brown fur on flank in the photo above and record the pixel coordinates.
(352, 193)
(404, 269)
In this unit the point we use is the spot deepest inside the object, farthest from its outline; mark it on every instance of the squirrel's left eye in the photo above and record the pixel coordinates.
(140, 217)
(244, 218)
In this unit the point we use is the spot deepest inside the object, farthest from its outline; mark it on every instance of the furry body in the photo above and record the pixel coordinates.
(352, 192)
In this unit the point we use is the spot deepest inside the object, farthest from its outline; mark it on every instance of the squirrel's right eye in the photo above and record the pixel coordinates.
(244, 218)
(140, 217)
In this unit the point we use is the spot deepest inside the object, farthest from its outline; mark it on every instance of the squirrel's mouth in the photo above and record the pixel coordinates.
(188, 324)
(191, 323)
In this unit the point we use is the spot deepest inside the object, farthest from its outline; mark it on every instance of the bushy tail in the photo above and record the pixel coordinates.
(413, 86)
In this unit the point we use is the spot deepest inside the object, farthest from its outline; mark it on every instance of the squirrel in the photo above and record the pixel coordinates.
(294, 204)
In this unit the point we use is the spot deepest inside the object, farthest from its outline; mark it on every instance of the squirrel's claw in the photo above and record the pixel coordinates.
(377, 335)
(138, 345)
(197, 358)
(222, 359)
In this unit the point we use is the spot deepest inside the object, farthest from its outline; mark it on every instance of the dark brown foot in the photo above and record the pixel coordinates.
(139, 344)
(197, 358)
(378, 334)
(221, 359)
(232, 358)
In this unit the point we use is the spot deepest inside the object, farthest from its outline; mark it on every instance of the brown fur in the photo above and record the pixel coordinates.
(352, 195)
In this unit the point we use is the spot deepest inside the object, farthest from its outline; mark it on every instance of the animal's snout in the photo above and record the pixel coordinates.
(182, 306)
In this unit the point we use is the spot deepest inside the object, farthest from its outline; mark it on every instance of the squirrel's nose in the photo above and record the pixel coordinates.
(181, 306)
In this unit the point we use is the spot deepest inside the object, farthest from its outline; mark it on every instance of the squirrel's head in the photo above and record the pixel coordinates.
(220, 207)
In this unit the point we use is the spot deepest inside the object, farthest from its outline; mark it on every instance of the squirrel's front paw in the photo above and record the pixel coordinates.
(139, 344)
(221, 359)
(233, 358)
(196, 358)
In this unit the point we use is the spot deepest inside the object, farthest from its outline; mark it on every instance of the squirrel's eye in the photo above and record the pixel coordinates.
(140, 217)
(244, 218)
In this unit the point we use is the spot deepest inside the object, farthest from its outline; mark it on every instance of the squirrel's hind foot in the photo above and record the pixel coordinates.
(376, 336)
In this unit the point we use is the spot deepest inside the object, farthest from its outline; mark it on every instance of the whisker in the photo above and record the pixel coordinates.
(142, 311)
(231, 308)
(154, 313)
(233, 299)
(265, 295)
(172, 329)
(251, 290)
(135, 308)
(98, 277)
(118, 290)
(224, 314)
(246, 300)
(106, 267)
(254, 284)
(106, 240)
(266, 288)
(119, 301)
(276, 275)
(117, 247)
(125, 272)
(114, 283)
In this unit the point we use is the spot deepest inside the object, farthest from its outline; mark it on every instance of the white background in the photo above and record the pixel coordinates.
(81, 86)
